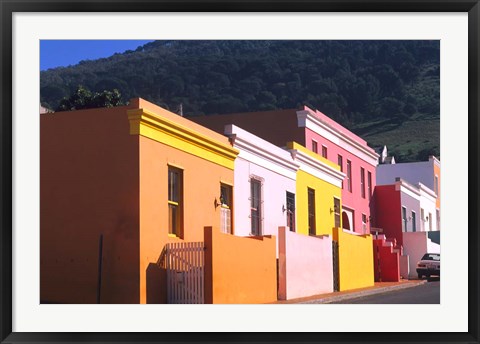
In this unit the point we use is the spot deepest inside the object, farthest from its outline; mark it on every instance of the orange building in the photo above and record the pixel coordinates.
(115, 185)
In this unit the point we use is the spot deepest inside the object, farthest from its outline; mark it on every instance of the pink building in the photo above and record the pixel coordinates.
(317, 132)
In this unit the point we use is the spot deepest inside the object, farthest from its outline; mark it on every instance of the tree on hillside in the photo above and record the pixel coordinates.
(83, 98)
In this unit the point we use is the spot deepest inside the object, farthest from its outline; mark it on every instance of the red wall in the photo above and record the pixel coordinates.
(386, 262)
(388, 211)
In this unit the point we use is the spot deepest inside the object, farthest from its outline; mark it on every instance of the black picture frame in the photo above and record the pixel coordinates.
(9, 7)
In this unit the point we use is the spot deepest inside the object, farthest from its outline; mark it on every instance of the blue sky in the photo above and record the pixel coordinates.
(62, 53)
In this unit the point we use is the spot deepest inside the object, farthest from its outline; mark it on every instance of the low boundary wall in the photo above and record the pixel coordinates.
(355, 259)
(304, 265)
(239, 269)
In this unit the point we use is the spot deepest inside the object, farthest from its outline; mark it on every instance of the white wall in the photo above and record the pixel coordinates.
(428, 203)
(274, 188)
(404, 266)
(415, 245)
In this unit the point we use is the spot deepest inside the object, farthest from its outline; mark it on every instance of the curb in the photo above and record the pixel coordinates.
(355, 295)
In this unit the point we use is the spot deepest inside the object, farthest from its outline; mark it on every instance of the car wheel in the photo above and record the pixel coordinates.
(420, 276)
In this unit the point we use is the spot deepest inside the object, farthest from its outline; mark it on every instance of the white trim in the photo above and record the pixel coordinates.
(318, 168)
(407, 188)
(435, 161)
(262, 153)
(308, 120)
(427, 192)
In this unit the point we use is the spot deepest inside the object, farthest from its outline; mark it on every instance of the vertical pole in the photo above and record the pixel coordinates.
(100, 258)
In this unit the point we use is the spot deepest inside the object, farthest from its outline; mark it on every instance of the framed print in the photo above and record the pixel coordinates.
(108, 292)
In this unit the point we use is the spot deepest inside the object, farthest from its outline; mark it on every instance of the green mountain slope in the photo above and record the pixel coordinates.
(386, 91)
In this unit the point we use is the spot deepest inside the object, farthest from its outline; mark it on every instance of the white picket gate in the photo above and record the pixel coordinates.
(184, 263)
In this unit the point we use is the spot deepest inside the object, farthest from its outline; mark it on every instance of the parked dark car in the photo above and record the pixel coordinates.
(429, 265)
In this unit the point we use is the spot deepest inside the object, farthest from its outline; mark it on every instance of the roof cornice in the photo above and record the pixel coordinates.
(148, 124)
(317, 168)
(245, 141)
(305, 115)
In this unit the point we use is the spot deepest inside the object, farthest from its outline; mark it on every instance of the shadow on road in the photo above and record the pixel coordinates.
(433, 278)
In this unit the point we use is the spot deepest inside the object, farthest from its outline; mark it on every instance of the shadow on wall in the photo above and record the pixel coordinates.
(157, 280)
(156, 284)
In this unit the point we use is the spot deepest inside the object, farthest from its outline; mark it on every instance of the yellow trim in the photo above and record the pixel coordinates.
(173, 235)
(173, 203)
(163, 130)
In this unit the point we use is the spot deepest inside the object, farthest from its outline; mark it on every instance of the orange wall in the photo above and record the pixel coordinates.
(201, 186)
(239, 269)
(88, 186)
(98, 178)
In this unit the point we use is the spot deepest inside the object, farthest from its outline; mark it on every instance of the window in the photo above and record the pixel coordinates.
(404, 219)
(414, 221)
(349, 175)
(438, 219)
(311, 212)
(362, 181)
(291, 211)
(435, 186)
(175, 201)
(340, 163)
(314, 146)
(225, 208)
(364, 223)
(369, 185)
(256, 206)
(336, 211)
(430, 220)
(422, 219)
(324, 152)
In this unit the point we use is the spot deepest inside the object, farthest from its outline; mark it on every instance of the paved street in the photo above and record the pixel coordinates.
(428, 293)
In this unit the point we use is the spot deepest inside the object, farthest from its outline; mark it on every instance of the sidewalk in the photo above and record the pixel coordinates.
(378, 288)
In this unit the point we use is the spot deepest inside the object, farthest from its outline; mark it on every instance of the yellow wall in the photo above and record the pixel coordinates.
(324, 193)
(355, 259)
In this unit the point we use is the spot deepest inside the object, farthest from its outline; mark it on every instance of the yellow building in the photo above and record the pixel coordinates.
(318, 194)
(319, 209)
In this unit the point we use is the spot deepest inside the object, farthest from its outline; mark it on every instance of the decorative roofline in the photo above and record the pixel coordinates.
(244, 140)
(148, 124)
(418, 189)
(322, 169)
(307, 115)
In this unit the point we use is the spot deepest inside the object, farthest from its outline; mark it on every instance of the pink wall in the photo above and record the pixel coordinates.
(351, 200)
(386, 262)
(304, 265)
